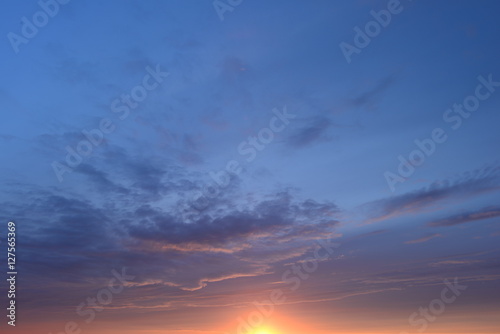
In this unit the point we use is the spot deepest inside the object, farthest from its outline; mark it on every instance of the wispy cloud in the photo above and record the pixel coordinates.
(315, 131)
(423, 239)
(455, 263)
(467, 185)
(368, 98)
(467, 217)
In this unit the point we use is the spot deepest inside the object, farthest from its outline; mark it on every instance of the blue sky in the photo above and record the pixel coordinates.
(130, 202)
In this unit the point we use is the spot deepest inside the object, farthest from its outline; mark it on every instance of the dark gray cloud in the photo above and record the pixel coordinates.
(205, 230)
(77, 241)
(280, 217)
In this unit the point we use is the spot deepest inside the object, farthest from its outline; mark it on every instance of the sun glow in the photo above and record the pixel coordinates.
(264, 331)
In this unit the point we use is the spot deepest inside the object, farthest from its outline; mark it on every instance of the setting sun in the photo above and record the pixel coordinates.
(264, 331)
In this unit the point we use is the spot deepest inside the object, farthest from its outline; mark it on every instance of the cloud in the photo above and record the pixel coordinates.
(368, 98)
(74, 241)
(73, 71)
(277, 218)
(484, 213)
(369, 234)
(100, 179)
(467, 185)
(424, 239)
(455, 262)
(314, 132)
(225, 245)
(147, 178)
(168, 229)
(135, 62)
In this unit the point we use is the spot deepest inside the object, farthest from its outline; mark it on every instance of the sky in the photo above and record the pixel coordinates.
(250, 167)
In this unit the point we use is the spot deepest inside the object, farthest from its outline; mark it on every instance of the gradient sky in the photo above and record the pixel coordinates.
(140, 200)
